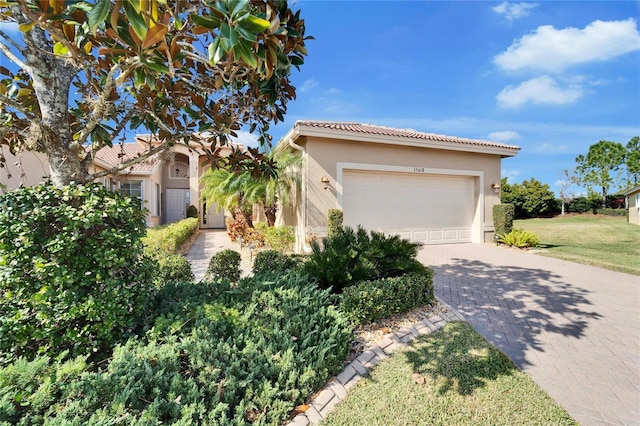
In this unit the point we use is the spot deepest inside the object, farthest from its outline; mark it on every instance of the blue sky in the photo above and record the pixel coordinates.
(551, 77)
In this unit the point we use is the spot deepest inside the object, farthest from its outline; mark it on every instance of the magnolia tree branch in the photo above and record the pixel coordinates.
(5, 100)
(9, 54)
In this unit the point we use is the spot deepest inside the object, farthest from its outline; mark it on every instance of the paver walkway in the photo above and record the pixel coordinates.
(575, 329)
(208, 243)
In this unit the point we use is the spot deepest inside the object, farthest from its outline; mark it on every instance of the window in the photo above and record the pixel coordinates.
(133, 188)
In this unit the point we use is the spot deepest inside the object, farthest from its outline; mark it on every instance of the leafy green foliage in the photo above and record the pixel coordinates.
(632, 161)
(224, 265)
(503, 215)
(173, 267)
(530, 199)
(72, 271)
(352, 256)
(335, 218)
(214, 355)
(279, 238)
(369, 301)
(519, 238)
(612, 212)
(168, 239)
(274, 262)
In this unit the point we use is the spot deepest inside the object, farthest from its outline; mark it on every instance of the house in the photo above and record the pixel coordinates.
(425, 187)
(633, 203)
(166, 184)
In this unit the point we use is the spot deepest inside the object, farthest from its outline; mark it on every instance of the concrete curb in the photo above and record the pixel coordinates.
(336, 389)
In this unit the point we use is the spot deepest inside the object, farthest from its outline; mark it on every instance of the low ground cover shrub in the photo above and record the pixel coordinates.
(215, 354)
(72, 271)
(370, 301)
(224, 265)
(168, 239)
(279, 238)
(352, 256)
(612, 212)
(519, 238)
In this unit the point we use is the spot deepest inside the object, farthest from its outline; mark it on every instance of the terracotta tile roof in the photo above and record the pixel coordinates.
(370, 129)
(120, 153)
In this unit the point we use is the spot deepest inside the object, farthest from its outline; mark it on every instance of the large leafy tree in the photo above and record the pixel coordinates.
(632, 161)
(531, 198)
(600, 166)
(86, 71)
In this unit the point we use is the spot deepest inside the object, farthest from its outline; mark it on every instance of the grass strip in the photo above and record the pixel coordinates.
(451, 377)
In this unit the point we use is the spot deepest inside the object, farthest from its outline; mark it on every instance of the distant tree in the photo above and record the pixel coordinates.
(598, 167)
(532, 198)
(88, 69)
(632, 161)
(567, 179)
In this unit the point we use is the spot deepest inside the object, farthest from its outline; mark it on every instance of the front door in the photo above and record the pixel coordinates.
(177, 203)
(211, 218)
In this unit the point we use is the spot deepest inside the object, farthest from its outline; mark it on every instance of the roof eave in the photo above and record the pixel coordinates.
(304, 130)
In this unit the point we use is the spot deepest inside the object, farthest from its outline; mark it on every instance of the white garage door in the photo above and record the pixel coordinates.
(420, 207)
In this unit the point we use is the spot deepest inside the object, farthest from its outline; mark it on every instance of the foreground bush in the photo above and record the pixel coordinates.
(72, 272)
(224, 265)
(215, 355)
(519, 238)
(370, 301)
(168, 239)
(173, 267)
(353, 256)
(274, 262)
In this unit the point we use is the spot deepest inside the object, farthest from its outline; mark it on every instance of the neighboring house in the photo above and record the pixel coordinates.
(633, 202)
(426, 187)
(166, 183)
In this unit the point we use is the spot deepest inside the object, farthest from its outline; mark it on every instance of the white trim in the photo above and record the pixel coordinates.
(477, 227)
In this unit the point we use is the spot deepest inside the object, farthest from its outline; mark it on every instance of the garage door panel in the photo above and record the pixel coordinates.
(419, 207)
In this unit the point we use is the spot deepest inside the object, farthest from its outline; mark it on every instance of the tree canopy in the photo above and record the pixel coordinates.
(186, 71)
(532, 198)
(601, 165)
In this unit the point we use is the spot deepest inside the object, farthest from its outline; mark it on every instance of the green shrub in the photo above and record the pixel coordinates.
(352, 256)
(503, 215)
(173, 267)
(72, 271)
(612, 212)
(335, 219)
(168, 239)
(280, 238)
(369, 301)
(224, 265)
(273, 262)
(519, 238)
(245, 355)
(192, 211)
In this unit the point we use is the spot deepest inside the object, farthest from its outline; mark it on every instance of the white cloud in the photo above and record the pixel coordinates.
(247, 139)
(513, 11)
(504, 136)
(334, 91)
(540, 90)
(510, 175)
(548, 148)
(549, 49)
(308, 85)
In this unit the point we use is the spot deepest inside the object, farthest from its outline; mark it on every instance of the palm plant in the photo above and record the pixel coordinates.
(227, 190)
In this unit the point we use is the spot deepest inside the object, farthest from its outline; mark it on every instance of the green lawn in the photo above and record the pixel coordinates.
(604, 241)
(451, 377)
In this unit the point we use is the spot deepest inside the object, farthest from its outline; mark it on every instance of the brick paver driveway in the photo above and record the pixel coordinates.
(575, 329)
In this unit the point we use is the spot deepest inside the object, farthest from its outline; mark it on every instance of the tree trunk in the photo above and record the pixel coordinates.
(562, 213)
(270, 214)
(604, 197)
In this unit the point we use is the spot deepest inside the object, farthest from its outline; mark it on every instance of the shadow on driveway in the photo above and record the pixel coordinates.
(512, 306)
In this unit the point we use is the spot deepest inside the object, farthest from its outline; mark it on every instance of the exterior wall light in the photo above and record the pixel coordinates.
(495, 187)
(325, 182)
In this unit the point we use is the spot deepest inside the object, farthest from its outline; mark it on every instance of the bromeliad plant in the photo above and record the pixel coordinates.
(519, 238)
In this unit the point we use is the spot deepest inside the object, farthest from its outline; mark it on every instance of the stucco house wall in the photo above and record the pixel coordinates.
(633, 202)
(33, 164)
